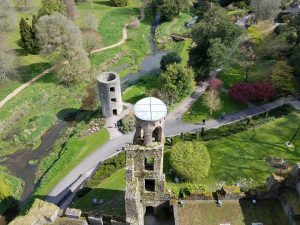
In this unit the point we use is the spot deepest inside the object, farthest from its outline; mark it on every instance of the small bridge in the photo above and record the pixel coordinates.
(178, 37)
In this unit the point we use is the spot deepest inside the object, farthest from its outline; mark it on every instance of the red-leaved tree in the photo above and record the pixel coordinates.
(215, 83)
(244, 92)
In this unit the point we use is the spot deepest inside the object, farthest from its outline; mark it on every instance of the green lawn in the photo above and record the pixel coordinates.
(268, 212)
(231, 75)
(14, 186)
(75, 150)
(199, 111)
(243, 156)
(111, 190)
(141, 89)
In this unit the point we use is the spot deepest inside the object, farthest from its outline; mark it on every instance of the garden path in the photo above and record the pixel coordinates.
(173, 127)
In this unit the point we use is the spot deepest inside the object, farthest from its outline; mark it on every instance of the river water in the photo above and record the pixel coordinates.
(18, 162)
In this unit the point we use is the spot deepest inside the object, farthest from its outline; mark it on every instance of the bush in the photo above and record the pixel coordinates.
(134, 22)
(119, 3)
(127, 124)
(106, 169)
(168, 59)
(244, 92)
(190, 160)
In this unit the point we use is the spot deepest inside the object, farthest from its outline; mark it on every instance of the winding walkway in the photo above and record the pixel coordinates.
(173, 127)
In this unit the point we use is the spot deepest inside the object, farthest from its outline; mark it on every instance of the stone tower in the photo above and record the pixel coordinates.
(110, 93)
(145, 181)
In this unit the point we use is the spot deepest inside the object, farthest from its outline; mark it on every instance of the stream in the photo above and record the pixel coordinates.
(18, 163)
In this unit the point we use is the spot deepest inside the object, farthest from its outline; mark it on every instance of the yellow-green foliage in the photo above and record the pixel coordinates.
(4, 188)
(190, 160)
(260, 31)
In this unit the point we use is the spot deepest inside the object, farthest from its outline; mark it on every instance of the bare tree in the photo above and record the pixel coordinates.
(7, 60)
(266, 9)
(212, 100)
(7, 16)
(60, 38)
(91, 40)
(248, 58)
(71, 10)
(90, 22)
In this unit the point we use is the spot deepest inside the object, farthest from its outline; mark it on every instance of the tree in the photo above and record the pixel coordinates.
(215, 83)
(90, 22)
(7, 16)
(247, 59)
(50, 6)
(266, 9)
(168, 59)
(119, 3)
(28, 35)
(7, 60)
(176, 83)
(190, 160)
(25, 33)
(294, 26)
(70, 8)
(216, 40)
(168, 9)
(91, 40)
(212, 101)
(282, 78)
(245, 93)
(61, 39)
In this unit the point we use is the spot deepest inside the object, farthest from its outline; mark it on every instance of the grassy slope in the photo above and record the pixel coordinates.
(111, 191)
(140, 90)
(243, 155)
(234, 212)
(74, 152)
(199, 111)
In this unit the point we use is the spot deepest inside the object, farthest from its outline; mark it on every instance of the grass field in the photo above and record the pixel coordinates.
(75, 150)
(268, 212)
(199, 111)
(112, 191)
(243, 156)
(232, 75)
(141, 89)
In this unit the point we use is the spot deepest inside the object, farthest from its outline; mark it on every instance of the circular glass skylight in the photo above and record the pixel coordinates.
(150, 109)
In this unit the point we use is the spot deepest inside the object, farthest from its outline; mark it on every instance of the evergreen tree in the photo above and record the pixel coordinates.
(50, 6)
(25, 33)
(35, 43)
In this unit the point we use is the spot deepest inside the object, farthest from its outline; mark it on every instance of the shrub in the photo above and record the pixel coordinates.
(106, 169)
(190, 160)
(127, 124)
(134, 22)
(215, 83)
(168, 59)
(119, 3)
(244, 92)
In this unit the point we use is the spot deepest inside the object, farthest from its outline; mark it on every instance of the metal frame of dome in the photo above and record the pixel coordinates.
(150, 109)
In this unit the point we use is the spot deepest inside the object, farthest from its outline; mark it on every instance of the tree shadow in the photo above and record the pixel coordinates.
(76, 115)
(9, 208)
(25, 73)
(105, 3)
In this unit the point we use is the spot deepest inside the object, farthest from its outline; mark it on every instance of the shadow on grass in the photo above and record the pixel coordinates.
(9, 208)
(76, 115)
(113, 202)
(264, 212)
(25, 73)
(105, 3)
